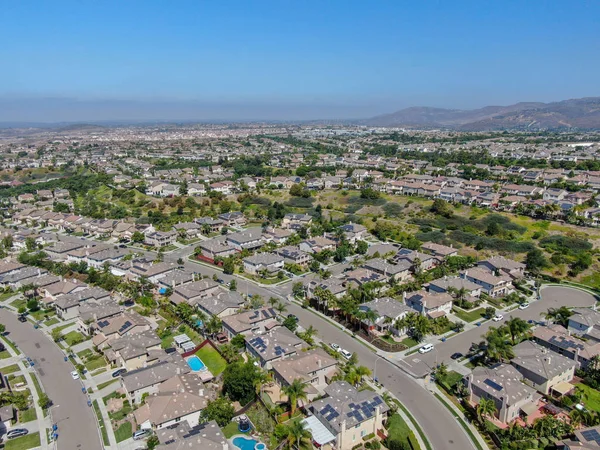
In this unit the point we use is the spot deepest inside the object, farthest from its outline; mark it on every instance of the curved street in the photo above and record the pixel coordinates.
(77, 424)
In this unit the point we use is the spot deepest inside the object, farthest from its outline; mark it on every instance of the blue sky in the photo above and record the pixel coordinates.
(289, 59)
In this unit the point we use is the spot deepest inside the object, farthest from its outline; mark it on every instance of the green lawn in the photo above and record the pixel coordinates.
(36, 383)
(212, 359)
(409, 342)
(95, 363)
(84, 354)
(591, 397)
(470, 316)
(51, 321)
(62, 327)
(106, 398)
(18, 303)
(73, 338)
(27, 415)
(123, 432)
(11, 345)
(109, 382)
(230, 429)
(16, 380)
(4, 354)
(24, 443)
(41, 314)
(10, 369)
(101, 423)
(7, 295)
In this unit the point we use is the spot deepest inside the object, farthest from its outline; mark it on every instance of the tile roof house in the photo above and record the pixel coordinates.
(558, 339)
(205, 436)
(502, 384)
(273, 345)
(491, 284)
(134, 351)
(194, 292)
(270, 262)
(314, 367)
(389, 311)
(399, 271)
(250, 321)
(429, 304)
(439, 250)
(543, 369)
(179, 398)
(585, 322)
(504, 266)
(345, 416)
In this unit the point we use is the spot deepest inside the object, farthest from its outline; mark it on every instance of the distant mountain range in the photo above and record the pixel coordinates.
(583, 113)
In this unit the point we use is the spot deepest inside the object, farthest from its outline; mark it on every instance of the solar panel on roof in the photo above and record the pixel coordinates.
(492, 384)
(591, 435)
(377, 401)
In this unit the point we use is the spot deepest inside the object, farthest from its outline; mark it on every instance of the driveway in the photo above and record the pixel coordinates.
(77, 425)
(552, 297)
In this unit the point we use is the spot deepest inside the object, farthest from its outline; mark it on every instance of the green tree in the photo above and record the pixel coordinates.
(239, 381)
(295, 391)
(298, 289)
(30, 244)
(517, 327)
(33, 305)
(56, 334)
(137, 237)
(485, 408)
(535, 261)
(290, 323)
(44, 401)
(228, 266)
(490, 312)
(559, 315)
(2, 329)
(233, 285)
(298, 437)
(220, 410)
(152, 442)
(362, 247)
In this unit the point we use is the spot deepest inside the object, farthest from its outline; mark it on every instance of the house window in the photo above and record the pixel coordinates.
(362, 433)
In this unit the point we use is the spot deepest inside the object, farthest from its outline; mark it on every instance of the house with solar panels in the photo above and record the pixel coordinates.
(345, 416)
(274, 345)
(584, 439)
(261, 320)
(502, 384)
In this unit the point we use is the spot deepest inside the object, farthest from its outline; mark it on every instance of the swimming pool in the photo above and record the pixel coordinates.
(196, 364)
(244, 443)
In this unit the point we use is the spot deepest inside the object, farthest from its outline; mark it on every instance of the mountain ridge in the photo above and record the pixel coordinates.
(582, 113)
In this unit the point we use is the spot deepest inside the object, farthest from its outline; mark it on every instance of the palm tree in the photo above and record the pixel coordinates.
(442, 371)
(298, 437)
(214, 325)
(559, 315)
(309, 333)
(370, 317)
(516, 327)
(362, 371)
(421, 327)
(295, 391)
(260, 380)
(280, 307)
(577, 417)
(486, 408)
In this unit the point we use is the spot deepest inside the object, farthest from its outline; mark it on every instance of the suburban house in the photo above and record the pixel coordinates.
(270, 262)
(504, 266)
(209, 225)
(250, 321)
(317, 244)
(558, 339)
(250, 239)
(389, 311)
(134, 351)
(179, 398)
(233, 219)
(207, 436)
(293, 255)
(502, 384)
(490, 284)
(354, 232)
(189, 230)
(442, 285)
(334, 285)
(296, 221)
(192, 293)
(438, 250)
(361, 276)
(584, 439)
(221, 303)
(585, 322)
(545, 370)
(147, 379)
(399, 272)
(314, 367)
(67, 306)
(429, 304)
(345, 416)
(160, 238)
(277, 235)
(274, 345)
(109, 328)
(426, 261)
(213, 248)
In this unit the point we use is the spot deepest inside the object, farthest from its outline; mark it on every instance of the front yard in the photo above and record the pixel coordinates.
(591, 397)
(23, 443)
(469, 316)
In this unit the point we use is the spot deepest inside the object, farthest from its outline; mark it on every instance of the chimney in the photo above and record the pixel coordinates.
(178, 371)
(201, 393)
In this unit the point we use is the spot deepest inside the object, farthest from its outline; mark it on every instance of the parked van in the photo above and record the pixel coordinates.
(141, 434)
(426, 348)
(345, 353)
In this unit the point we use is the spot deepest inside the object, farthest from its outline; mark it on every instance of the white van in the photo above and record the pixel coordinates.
(426, 348)
(345, 353)
(141, 434)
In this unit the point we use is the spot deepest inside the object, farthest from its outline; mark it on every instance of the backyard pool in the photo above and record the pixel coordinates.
(196, 364)
(244, 443)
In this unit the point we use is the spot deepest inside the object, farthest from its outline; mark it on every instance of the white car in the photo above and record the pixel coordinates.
(497, 317)
(426, 348)
(75, 375)
(335, 347)
(524, 306)
(345, 353)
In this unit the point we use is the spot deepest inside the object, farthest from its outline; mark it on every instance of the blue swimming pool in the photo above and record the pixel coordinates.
(196, 364)
(244, 443)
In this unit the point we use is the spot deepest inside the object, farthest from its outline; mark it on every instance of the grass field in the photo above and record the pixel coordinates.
(123, 432)
(51, 321)
(18, 303)
(36, 383)
(10, 369)
(106, 383)
(4, 354)
(28, 415)
(230, 429)
(101, 423)
(591, 397)
(212, 359)
(24, 443)
(73, 338)
(470, 316)
(409, 342)
(95, 363)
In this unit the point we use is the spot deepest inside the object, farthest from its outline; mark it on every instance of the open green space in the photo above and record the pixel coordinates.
(4, 354)
(101, 423)
(95, 363)
(409, 342)
(123, 432)
(18, 303)
(36, 383)
(106, 383)
(11, 345)
(62, 327)
(469, 316)
(16, 380)
(212, 359)
(73, 338)
(51, 321)
(591, 397)
(23, 443)
(231, 429)
(42, 314)
(6, 296)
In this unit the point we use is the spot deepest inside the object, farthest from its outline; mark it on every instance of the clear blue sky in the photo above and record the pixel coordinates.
(289, 59)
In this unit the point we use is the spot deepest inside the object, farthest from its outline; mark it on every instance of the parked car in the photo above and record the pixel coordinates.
(75, 375)
(524, 306)
(426, 348)
(119, 372)
(497, 317)
(22, 318)
(456, 355)
(345, 353)
(141, 434)
(292, 316)
(335, 347)
(170, 350)
(17, 432)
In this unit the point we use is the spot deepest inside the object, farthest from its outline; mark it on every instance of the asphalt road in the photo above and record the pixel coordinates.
(552, 297)
(77, 424)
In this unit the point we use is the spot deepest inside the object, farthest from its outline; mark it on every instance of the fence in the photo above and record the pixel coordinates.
(198, 347)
